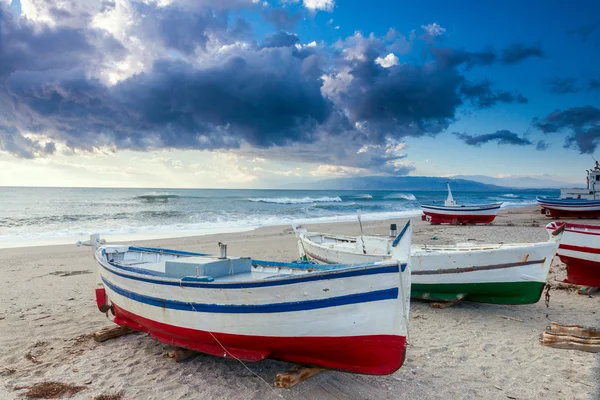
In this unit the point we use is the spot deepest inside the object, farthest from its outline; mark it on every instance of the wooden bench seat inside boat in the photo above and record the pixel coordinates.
(207, 266)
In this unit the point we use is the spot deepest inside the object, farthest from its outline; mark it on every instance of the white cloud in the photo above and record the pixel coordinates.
(327, 170)
(335, 85)
(322, 5)
(387, 61)
(434, 29)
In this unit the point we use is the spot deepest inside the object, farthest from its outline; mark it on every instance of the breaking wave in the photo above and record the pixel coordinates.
(156, 196)
(303, 200)
(511, 196)
(404, 196)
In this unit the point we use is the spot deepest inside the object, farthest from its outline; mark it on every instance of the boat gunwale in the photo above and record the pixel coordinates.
(139, 274)
(563, 202)
(575, 228)
(424, 248)
(464, 207)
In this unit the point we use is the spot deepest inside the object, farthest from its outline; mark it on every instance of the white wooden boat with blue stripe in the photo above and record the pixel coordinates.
(345, 317)
(487, 273)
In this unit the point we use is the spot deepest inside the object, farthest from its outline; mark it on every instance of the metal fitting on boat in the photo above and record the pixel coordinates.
(222, 250)
(393, 230)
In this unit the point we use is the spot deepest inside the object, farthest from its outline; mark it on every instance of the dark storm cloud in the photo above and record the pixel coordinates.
(304, 103)
(281, 18)
(280, 39)
(454, 57)
(26, 47)
(404, 100)
(13, 142)
(542, 145)
(331, 150)
(584, 31)
(261, 99)
(482, 94)
(583, 123)
(501, 137)
(560, 85)
(407, 99)
(518, 52)
(186, 29)
(512, 54)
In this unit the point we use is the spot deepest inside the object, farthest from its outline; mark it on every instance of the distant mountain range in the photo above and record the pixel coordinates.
(398, 183)
(458, 183)
(524, 182)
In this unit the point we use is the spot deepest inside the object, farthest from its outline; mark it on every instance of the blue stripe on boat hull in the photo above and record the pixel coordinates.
(378, 295)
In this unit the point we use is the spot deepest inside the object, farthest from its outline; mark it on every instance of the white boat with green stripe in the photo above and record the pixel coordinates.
(488, 273)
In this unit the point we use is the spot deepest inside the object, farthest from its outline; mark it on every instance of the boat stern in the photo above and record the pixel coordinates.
(401, 253)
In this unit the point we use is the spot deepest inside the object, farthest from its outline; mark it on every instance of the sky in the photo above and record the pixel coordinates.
(251, 94)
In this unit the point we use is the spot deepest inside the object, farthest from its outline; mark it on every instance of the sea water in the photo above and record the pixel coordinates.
(35, 216)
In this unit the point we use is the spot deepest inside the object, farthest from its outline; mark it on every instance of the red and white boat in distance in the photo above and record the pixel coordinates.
(569, 208)
(579, 249)
(575, 203)
(453, 213)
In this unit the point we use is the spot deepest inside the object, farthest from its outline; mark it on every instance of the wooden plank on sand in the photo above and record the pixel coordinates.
(180, 355)
(111, 333)
(295, 375)
(575, 330)
(565, 341)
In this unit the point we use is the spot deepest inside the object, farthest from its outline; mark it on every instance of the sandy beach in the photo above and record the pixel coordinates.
(468, 351)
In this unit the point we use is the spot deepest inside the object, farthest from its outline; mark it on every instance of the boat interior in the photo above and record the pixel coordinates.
(376, 244)
(197, 267)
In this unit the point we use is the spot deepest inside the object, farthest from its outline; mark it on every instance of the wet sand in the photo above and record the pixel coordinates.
(468, 351)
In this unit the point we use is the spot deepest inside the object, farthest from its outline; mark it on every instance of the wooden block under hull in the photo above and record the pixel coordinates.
(587, 290)
(295, 375)
(111, 333)
(180, 355)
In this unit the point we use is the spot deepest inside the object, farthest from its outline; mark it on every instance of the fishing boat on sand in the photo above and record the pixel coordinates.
(576, 202)
(453, 213)
(345, 317)
(579, 249)
(487, 273)
(569, 208)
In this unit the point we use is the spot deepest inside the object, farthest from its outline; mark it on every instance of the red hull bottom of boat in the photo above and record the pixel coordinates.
(582, 272)
(569, 214)
(373, 354)
(435, 219)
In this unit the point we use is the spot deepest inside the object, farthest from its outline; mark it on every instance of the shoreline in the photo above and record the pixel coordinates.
(183, 233)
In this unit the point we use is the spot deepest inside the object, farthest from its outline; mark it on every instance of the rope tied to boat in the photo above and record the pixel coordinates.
(228, 353)
(547, 295)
